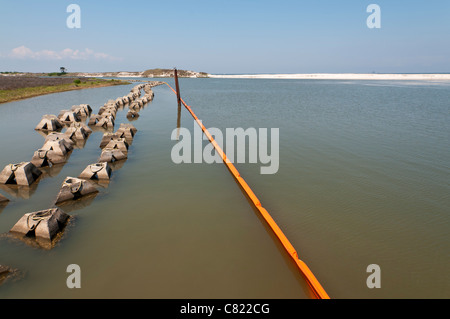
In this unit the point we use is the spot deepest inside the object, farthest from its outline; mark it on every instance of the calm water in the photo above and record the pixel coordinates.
(364, 179)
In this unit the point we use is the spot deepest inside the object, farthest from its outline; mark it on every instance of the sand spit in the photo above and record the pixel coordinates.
(342, 76)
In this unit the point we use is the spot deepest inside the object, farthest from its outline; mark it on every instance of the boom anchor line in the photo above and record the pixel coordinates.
(312, 281)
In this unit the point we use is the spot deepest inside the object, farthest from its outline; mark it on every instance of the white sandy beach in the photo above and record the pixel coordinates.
(341, 76)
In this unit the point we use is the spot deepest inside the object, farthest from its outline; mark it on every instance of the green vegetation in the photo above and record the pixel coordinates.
(27, 92)
(56, 74)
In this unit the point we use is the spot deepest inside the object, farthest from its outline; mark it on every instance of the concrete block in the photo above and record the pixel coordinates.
(55, 136)
(67, 117)
(132, 114)
(49, 123)
(44, 158)
(97, 171)
(119, 101)
(135, 106)
(78, 131)
(108, 109)
(118, 143)
(59, 147)
(74, 188)
(24, 174)
(108, 137)
(44, 224)
(111, 155)
(82, 110)
(106, 122)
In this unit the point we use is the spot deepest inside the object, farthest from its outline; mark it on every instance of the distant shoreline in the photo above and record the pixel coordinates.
(336, 76)
(15, 88)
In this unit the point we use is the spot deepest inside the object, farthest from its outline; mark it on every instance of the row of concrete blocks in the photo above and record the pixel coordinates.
(137, 105)
(52, 123)
(130, 97)
(44, 225)
(56, 149)
(58, 146)
(106, 115)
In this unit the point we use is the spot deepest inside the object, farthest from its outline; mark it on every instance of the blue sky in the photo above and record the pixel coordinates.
(245, 36)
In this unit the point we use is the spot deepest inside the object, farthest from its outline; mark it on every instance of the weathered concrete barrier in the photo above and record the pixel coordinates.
(126, 99)
(67, 117)
(132, 115)
(60, 138)
(106, 122)
(74, 188)
(97, 171)
(108, 137)
(111, 155)
(44, 158)
(108, 108)
(78, 131)
(55, 136)
(120, 101)
(60, 147)
(109, 113)
(49, 122)
(82, 110)
(135, 106)
(43, 225)
(24, 174)
(127, 131)
(119, 144)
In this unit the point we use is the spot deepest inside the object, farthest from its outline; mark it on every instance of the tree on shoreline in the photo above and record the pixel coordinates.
(63, 69)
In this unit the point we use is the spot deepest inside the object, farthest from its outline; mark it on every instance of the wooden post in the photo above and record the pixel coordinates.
(177, 86)
(179, 102)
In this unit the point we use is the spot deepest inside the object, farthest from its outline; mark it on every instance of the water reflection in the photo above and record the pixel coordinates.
(178, 120)
(80, 144)
(19, 191)
(46, 133)
(101, 129)
(52, 171)
(101, 182)
(286, 257)
(133, 117)
(77, 204)
(116, 165)
(3, 206)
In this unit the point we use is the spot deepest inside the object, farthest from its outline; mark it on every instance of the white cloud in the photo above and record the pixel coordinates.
(23, 52)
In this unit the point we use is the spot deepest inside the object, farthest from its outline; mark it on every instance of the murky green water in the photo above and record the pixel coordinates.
(363, 179)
